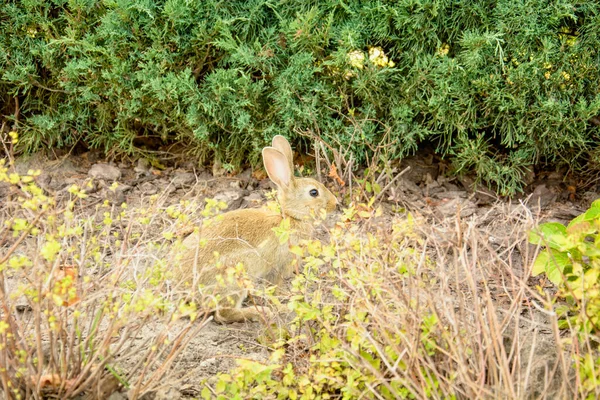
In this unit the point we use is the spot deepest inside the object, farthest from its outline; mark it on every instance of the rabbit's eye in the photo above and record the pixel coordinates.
(314, 192)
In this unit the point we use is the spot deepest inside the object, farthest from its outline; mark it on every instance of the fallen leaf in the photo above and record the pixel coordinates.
(52, 380)
(333, 174)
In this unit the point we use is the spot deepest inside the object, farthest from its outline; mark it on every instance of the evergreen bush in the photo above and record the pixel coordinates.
(500, 86)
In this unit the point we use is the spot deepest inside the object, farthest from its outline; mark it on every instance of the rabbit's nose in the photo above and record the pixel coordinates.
(337, 206)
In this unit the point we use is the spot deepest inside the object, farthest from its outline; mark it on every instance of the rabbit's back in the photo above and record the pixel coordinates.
(244, 236)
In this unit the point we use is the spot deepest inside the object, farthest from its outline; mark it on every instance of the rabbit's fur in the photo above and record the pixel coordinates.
(247, 236)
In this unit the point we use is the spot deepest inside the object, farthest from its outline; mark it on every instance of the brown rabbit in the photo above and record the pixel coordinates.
(247, 236)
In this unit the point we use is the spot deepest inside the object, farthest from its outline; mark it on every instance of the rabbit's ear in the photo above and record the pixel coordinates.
(277, 166)
(281, 144)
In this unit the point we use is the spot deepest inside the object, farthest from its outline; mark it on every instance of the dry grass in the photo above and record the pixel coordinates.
(86, 302)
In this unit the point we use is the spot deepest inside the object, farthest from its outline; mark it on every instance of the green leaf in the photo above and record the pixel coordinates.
(553, 263)
(556, 265)
(590, 250)
(582, 228)
(50, 250)
(590, 215)
(539, 265)
(552, 234)
(377, 188)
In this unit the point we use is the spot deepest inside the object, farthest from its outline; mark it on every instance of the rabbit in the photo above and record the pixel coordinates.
(247, 236)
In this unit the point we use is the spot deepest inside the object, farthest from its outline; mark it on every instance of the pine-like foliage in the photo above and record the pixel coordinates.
(498, 85)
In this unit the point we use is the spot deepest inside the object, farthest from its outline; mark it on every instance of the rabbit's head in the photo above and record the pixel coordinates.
(298, 197)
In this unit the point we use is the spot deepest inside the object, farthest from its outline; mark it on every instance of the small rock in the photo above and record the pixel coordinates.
(183, 179)
(406, 185)
(203, 175)
(105, 171)
(266, 184)
(148, 188)
(565, 212)
(142, 167)
(233, 198)
(117, 196)
(428, 159)
(90, 186)
(164, 186)
(542, 196)
(245, 175)
(432, 188)
(452, 207)
(57, 184)
(208, 363)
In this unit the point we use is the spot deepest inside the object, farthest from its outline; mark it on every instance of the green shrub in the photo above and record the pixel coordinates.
(499, 86)
(571, 260)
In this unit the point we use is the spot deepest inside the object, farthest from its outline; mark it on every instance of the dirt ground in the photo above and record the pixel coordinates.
(424, 189)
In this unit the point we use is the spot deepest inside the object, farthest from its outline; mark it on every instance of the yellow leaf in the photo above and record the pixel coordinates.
(50, 250)
(364, 214)
(297, 250)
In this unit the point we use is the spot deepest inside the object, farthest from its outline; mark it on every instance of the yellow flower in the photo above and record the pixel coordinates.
(357, 59)
(14, 137)
(378, 57)
(444, 49)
